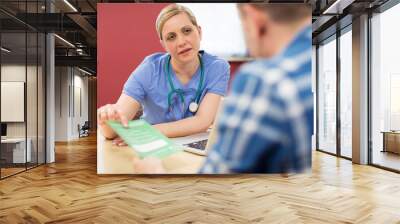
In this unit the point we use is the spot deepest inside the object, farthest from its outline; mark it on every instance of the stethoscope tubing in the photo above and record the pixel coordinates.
(180, 92)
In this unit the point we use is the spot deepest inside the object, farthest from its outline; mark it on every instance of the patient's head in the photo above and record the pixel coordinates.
(268, 28)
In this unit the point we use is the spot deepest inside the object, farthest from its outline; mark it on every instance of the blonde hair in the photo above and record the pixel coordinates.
(170, 11)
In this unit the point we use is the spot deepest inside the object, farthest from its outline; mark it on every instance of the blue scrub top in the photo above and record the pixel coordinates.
(148, 84)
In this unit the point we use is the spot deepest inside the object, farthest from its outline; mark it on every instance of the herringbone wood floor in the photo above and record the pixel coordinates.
(70, 191)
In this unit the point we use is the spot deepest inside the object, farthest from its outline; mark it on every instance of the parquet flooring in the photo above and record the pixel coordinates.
(70, 191)
(9, 171)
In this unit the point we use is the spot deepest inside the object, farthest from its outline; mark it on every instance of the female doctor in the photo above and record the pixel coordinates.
(179, 90)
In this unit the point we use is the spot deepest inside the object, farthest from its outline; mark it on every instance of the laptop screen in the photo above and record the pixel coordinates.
(198, 145)
(3, 129)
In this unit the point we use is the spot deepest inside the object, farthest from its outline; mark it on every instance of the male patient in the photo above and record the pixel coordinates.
(267, 119)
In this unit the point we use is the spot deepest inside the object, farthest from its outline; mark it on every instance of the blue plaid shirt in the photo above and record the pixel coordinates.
(267, 120)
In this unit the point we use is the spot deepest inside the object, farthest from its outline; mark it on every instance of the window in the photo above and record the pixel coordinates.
(346, 93)
(22, 75)
(385, 89)
(327, 96)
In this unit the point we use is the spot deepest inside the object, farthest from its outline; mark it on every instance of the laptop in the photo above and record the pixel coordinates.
(201, 147)
(200, 143)
(3, 131)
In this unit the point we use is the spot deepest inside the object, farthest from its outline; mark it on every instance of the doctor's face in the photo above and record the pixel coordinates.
(181, 39)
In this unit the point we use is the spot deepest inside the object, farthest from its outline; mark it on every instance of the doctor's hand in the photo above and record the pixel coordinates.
(111, 112)
(148, 165)
(118, 142)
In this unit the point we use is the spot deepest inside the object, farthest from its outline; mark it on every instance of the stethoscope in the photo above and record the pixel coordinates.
(194, 104)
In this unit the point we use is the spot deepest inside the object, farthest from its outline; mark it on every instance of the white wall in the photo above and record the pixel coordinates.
(80, 88)
(33, 126)
(61, 103)
(82, 83)
(70, 83)
(13, 73)
(12, 101)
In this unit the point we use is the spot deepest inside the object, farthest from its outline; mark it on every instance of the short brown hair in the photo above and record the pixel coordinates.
(290, 12)
(170, 11)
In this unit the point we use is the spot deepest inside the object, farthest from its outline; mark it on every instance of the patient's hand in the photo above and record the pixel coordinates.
(148, 165)
(118, 142)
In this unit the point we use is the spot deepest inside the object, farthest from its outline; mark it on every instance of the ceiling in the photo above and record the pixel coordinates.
(332, 16)
(76, 22)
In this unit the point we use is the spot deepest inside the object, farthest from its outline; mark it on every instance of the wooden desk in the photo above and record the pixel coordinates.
(113, 159)
(13, 150)
(391, 141)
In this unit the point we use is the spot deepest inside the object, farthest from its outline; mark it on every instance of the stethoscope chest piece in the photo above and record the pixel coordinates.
(193, 106)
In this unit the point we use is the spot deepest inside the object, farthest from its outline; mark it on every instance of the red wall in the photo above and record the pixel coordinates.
(234, 67)
(126, 34)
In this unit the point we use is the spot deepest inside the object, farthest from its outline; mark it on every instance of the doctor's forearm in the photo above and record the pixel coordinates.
(187, 126)
(107, 132)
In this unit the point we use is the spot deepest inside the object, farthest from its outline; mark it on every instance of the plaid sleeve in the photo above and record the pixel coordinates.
(249, 127)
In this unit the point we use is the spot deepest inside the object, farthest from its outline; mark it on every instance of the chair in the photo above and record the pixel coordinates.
(84, 130)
